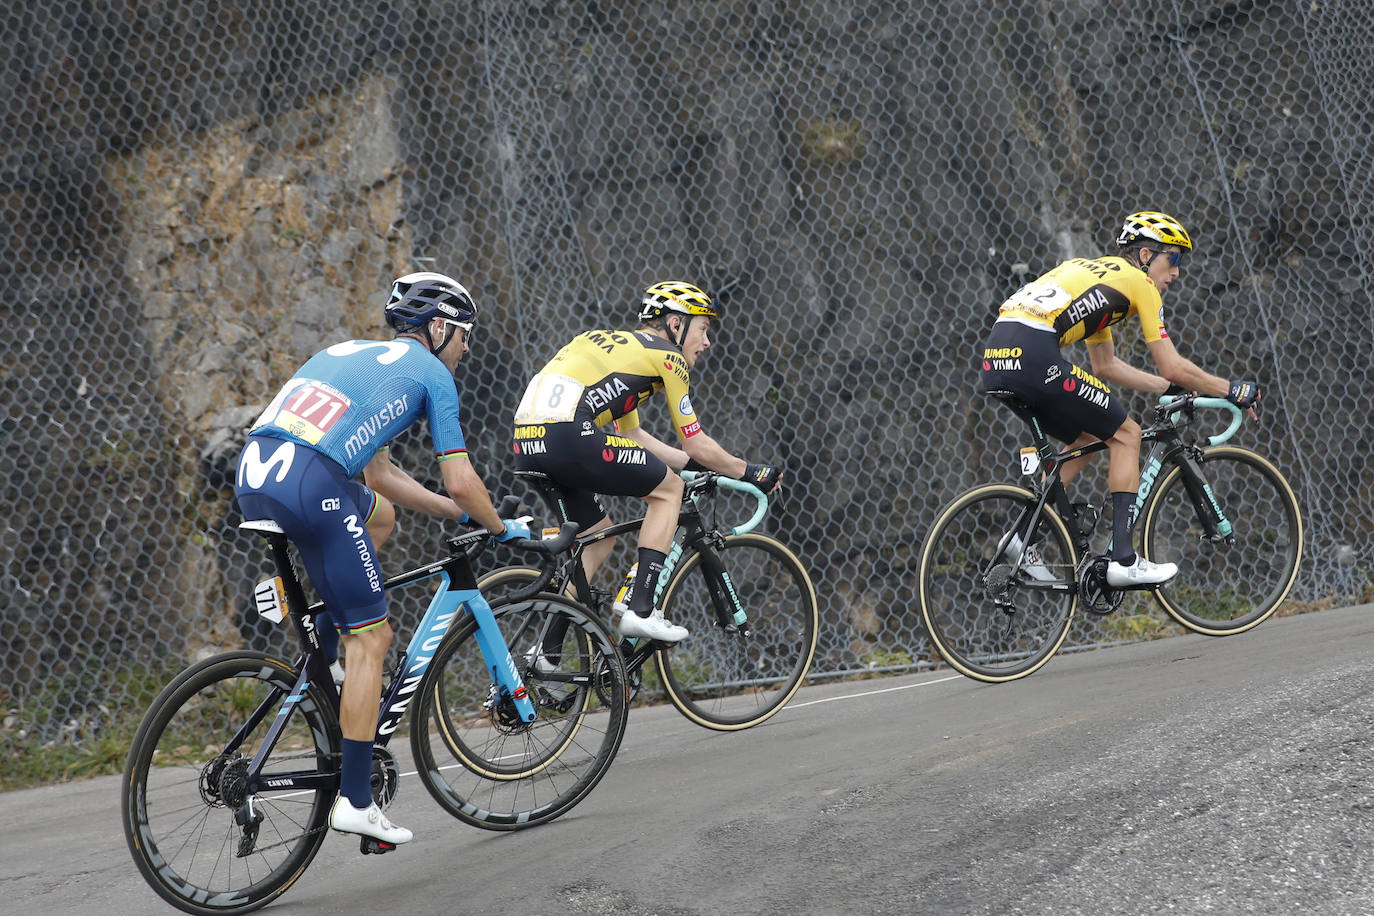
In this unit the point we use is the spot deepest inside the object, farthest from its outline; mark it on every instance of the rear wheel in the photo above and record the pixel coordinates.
(726, 676)
(987, 620)
(485, 766)
(187, 777)
(1229, 586)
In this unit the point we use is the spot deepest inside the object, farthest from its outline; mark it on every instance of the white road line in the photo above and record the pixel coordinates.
(870, 693)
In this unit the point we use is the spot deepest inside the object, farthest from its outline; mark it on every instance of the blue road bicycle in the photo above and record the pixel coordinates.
(234, 769)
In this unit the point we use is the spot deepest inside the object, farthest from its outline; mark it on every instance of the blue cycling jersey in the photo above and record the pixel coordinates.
(349, 400)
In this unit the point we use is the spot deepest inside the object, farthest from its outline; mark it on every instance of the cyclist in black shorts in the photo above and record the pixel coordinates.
(1080, 300)
(599, 380)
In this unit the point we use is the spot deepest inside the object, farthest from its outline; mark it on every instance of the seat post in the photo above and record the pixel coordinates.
(550, 490)
(277, 542)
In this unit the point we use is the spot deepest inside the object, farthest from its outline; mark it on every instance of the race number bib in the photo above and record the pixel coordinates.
(311, 410)
(549, 398)
(1041, 300)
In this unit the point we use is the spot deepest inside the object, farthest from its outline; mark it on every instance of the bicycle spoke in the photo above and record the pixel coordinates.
(985, 618)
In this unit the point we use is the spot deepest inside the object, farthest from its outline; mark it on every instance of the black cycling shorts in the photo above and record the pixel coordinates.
(585, 461)
(1066, 400)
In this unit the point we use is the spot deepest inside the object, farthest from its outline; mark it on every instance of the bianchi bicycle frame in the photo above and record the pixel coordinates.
(728, 607)
(1040, 464)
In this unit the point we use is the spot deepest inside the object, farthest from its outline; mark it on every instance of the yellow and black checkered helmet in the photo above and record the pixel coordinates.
(1153, 226)
(675, 296)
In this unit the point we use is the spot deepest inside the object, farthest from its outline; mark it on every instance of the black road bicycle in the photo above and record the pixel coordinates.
(1224, 514)
(745, 597)
(232, 774)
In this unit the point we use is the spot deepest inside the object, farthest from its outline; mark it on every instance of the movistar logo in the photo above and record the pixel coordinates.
(254, 471)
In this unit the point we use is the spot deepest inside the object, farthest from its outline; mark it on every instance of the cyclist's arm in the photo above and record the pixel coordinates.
(385, 477)
(1111, 368)
(470, 494)
(701, 447)
(1184, 372)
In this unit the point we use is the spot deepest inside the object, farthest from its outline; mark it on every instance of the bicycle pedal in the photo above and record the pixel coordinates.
(371, 846)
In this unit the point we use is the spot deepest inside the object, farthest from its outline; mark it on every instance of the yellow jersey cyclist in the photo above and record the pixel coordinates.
(578, 422)
(1080, 300)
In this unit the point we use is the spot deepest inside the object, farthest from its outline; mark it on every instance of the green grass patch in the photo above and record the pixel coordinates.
(43, 742)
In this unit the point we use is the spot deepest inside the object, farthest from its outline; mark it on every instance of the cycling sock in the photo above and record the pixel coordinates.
(646, 580)
(1123, 512)
(356, 772)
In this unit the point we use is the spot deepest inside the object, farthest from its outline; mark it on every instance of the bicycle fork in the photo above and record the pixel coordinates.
(1216, 527)
(729, 610)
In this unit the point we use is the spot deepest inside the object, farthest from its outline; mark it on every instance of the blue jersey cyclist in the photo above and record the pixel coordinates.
(332, 421)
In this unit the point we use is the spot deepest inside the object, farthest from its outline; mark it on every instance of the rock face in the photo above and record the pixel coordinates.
(193, 200)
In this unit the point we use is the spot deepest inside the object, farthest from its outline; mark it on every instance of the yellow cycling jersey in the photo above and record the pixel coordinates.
(1082, 297)
(603, 376)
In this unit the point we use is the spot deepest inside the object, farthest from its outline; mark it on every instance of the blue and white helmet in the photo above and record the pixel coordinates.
(416, 299)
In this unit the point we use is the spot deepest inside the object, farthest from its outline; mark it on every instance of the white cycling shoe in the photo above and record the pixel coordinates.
(632, 626)
(369, 821)
(1140, 574)
(1032, 561)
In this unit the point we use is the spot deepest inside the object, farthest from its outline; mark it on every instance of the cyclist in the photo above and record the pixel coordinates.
(600, 379)
(330, 422)
(1080, 300)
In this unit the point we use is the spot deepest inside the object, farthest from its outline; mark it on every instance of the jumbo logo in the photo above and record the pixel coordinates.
(529, 432)
(1086, 377)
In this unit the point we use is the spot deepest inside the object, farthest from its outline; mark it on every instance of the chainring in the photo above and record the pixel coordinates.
(1096, 596)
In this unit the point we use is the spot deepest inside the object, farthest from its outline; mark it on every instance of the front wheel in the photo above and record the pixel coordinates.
(483, 764)
(1227, 586)
(188, 774)
(729, 676)
(988, 620)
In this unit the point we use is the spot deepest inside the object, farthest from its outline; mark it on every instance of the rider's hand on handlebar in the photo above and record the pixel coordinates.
(766, 477)
(1245, 395)
(515, 529)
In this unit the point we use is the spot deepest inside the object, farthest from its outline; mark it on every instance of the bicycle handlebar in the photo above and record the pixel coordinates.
(1170, 406)
(701, 481)
(472, 542)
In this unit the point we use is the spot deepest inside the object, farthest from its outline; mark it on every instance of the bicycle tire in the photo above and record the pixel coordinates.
(963, 621)
(1245, 580)
(179, 789)
(719, 677)
(497, 584)
(510, 775)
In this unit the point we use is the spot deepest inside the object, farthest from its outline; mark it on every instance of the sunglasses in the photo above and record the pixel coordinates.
(1173, 257)
(467, 327)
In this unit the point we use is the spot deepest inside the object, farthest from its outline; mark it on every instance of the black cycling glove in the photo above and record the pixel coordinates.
(1243, 394)
(1174, 390)
(763, 476)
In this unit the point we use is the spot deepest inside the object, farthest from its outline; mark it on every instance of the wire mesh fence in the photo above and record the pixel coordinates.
(195, 196)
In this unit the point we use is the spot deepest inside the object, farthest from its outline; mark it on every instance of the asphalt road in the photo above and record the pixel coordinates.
(1187, 775)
